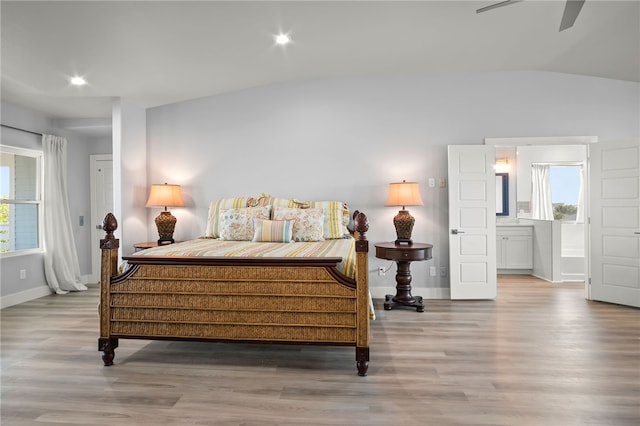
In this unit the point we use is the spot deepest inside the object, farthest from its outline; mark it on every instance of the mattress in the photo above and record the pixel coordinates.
(207, 247)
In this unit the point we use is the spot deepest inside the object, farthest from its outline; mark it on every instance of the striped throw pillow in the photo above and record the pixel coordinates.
(272, 231)
(336, 216)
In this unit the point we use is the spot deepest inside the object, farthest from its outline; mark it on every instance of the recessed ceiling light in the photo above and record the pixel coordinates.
(78, 81)
(283, 39)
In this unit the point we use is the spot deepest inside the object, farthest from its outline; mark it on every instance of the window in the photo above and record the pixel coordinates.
(565, 181)
(20, 199)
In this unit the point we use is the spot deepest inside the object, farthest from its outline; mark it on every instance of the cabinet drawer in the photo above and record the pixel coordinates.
(520, 231)
(400, 254)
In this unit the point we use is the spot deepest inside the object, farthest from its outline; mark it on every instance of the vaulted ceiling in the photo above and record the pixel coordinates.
(159, 52)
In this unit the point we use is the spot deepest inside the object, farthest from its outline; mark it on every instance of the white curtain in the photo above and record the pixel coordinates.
(541, 206)
(61, 266)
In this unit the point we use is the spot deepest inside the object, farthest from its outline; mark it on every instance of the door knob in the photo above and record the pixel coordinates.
(456, 232)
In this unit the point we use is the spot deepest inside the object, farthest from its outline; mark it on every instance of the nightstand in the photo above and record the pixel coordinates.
(403, 255)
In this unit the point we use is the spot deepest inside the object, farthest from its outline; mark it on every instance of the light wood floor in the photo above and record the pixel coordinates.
(538, 355)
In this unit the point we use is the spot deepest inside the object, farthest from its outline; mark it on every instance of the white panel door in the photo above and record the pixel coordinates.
(615, 223)
(472, 222)
(101, 171)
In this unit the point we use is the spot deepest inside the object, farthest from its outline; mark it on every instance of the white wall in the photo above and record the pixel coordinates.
(13, 290)
(347, 139)
(79, 148)
(129, 173)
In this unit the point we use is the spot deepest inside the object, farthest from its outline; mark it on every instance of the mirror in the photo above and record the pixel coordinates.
(502, 194)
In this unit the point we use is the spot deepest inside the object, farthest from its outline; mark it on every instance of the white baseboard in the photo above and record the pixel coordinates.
(24, 296)
(89, 279)
(569, 278)
(515, 272)
(426, 293)
(545, 278)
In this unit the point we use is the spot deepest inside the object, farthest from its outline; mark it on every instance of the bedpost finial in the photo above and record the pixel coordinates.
(361, 224)
(109, 225)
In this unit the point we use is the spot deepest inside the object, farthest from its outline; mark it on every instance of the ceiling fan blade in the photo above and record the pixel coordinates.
(499, 4)
(571, 11)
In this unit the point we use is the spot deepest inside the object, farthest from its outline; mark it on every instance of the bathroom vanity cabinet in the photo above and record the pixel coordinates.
(514, 245)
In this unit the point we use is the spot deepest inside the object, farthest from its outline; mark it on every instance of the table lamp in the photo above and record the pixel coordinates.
(404, 194)
(165, 195)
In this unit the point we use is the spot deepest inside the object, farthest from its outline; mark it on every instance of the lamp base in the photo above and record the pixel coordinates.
(406, 241)
(403, 223)
(166, 223)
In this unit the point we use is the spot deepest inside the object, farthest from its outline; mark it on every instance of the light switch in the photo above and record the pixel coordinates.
(432, 182)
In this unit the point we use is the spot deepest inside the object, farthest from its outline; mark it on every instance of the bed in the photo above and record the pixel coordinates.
(205, 295)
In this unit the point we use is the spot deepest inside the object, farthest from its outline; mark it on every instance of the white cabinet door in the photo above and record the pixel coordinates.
(514, 247)
(519, 252)
(472, 222)
(615, 222)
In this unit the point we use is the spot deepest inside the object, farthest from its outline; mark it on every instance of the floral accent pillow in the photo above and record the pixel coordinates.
(272, 231)
(215, 207)
(308, 224)
(237, 224)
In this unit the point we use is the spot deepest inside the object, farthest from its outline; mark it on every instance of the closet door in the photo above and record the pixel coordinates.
(101, 181)
(472, 222)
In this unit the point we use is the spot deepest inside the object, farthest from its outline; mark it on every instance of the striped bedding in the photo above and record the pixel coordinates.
(344, 248)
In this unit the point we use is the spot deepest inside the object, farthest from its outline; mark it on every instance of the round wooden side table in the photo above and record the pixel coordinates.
(403, 255)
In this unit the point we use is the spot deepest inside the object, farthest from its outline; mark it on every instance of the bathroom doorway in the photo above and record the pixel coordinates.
(560, 239)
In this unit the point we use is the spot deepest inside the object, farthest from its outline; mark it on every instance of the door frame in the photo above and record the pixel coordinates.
(563, 140)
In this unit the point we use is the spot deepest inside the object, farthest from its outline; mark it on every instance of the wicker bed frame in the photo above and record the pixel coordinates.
(263, 300)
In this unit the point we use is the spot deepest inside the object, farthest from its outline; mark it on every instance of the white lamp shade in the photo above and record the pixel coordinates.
(165, 195)
(404, 194)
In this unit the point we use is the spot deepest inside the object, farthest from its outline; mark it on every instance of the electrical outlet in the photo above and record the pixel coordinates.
(443, 271)
(23, 274)
(432, 271)
(381, 271)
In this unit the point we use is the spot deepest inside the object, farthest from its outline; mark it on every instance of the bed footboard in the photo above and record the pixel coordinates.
(292, 301)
